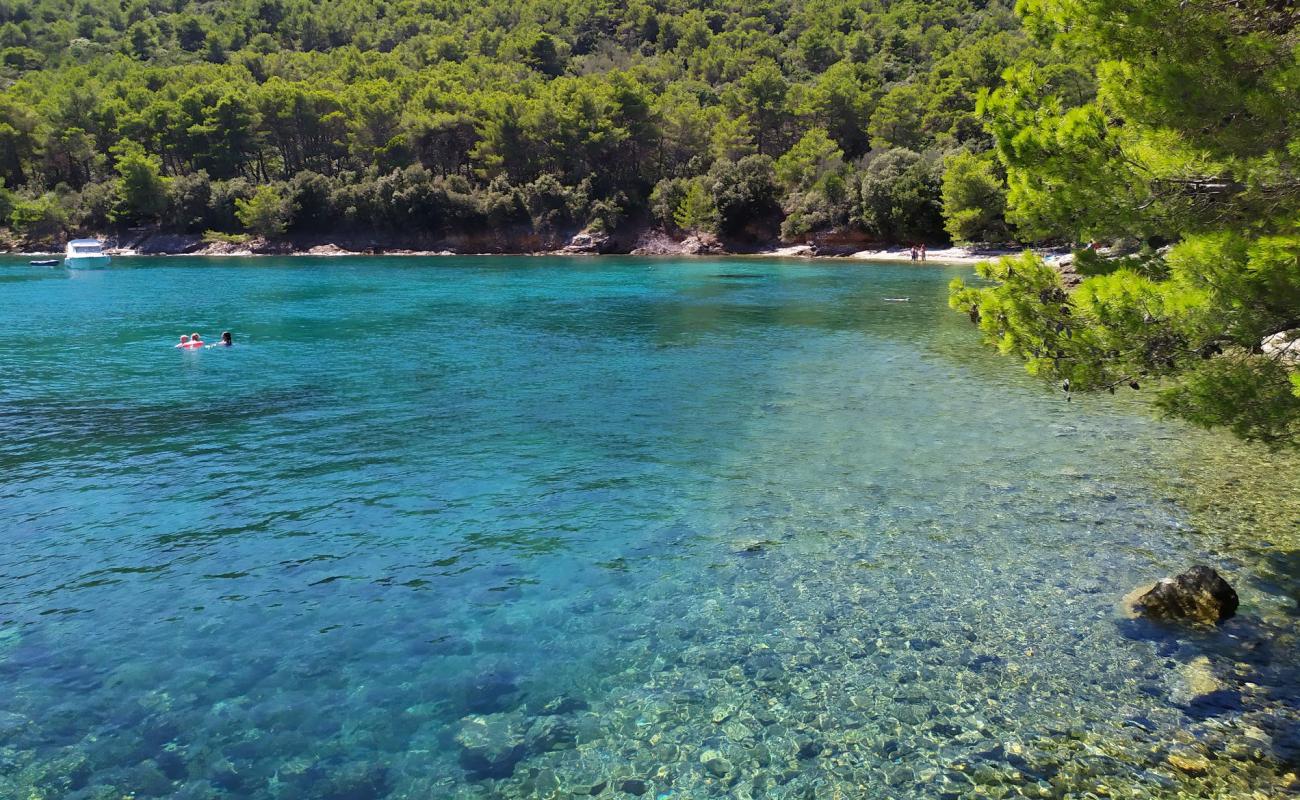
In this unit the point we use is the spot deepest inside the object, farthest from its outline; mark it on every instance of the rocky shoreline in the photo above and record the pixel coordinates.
(646, 242)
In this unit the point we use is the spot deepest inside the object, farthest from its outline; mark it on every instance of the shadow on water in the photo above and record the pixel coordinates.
(71, 428)
(707, 306)
(21, 278)
(1243, 676)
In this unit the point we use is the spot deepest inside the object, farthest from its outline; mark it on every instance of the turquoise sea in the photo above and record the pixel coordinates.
(544, 527)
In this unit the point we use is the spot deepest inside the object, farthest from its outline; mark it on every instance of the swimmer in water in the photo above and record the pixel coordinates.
(196, 340)
(226, 340)
(185, 341)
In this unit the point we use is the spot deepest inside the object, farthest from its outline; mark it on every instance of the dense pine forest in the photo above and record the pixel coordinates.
(753, 120)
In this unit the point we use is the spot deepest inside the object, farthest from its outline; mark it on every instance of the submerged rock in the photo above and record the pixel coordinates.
(550, 733)
(716, 763)
(356, 781)
(587, 786)
(1188, 761)
(488, 692)
(11, 724)
(1198, 675)
(563, 704)
(754, 546)
(1198, 595)
(491, 744)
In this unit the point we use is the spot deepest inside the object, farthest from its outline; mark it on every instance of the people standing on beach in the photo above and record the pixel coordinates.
(922, 251)
(912, 252)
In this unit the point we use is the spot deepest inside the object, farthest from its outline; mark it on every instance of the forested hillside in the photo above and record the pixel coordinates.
(750, 119)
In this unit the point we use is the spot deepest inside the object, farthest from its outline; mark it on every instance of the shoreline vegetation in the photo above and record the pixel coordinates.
(1187, 145)
(504, 127)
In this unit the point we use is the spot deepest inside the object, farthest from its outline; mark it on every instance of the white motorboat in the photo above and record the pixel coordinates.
(85, 254)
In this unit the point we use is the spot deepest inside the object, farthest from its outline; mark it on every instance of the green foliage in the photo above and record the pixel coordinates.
(580, 108)
(696, 210)
(189, 198)
(814, 178)
(266, 213)
(214, 237)
(21, 58)
(745, 196)
(814, 163)
(1255, 398)
(1169, 120)
(666, 198)
(222, 205)
(974, 199)
(555, 207)
(1192, 321)
(1147, 262)
(899, 197)
(897, 120)
(141, 189)
(6, 202)
(93, 207)
(39, 219)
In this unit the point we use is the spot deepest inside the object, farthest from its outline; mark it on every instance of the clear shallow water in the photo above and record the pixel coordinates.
(541, 527)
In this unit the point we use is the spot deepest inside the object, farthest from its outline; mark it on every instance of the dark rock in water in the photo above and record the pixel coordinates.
(162, 244)
(491, 745)
(764, 666)
(755, 546)
(490, 692)
(156, 730)
(1216, 703)
(1141, 723)
(172, 764)
(981, 663)
(550, 733)
(634, 786)
(563, 704)
(808, 747)
(946, 730)
(11, 724)
(196, 790)
(1198, 595)
(224, 776)
(65, 773)
(587, 786)
(356, 781)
